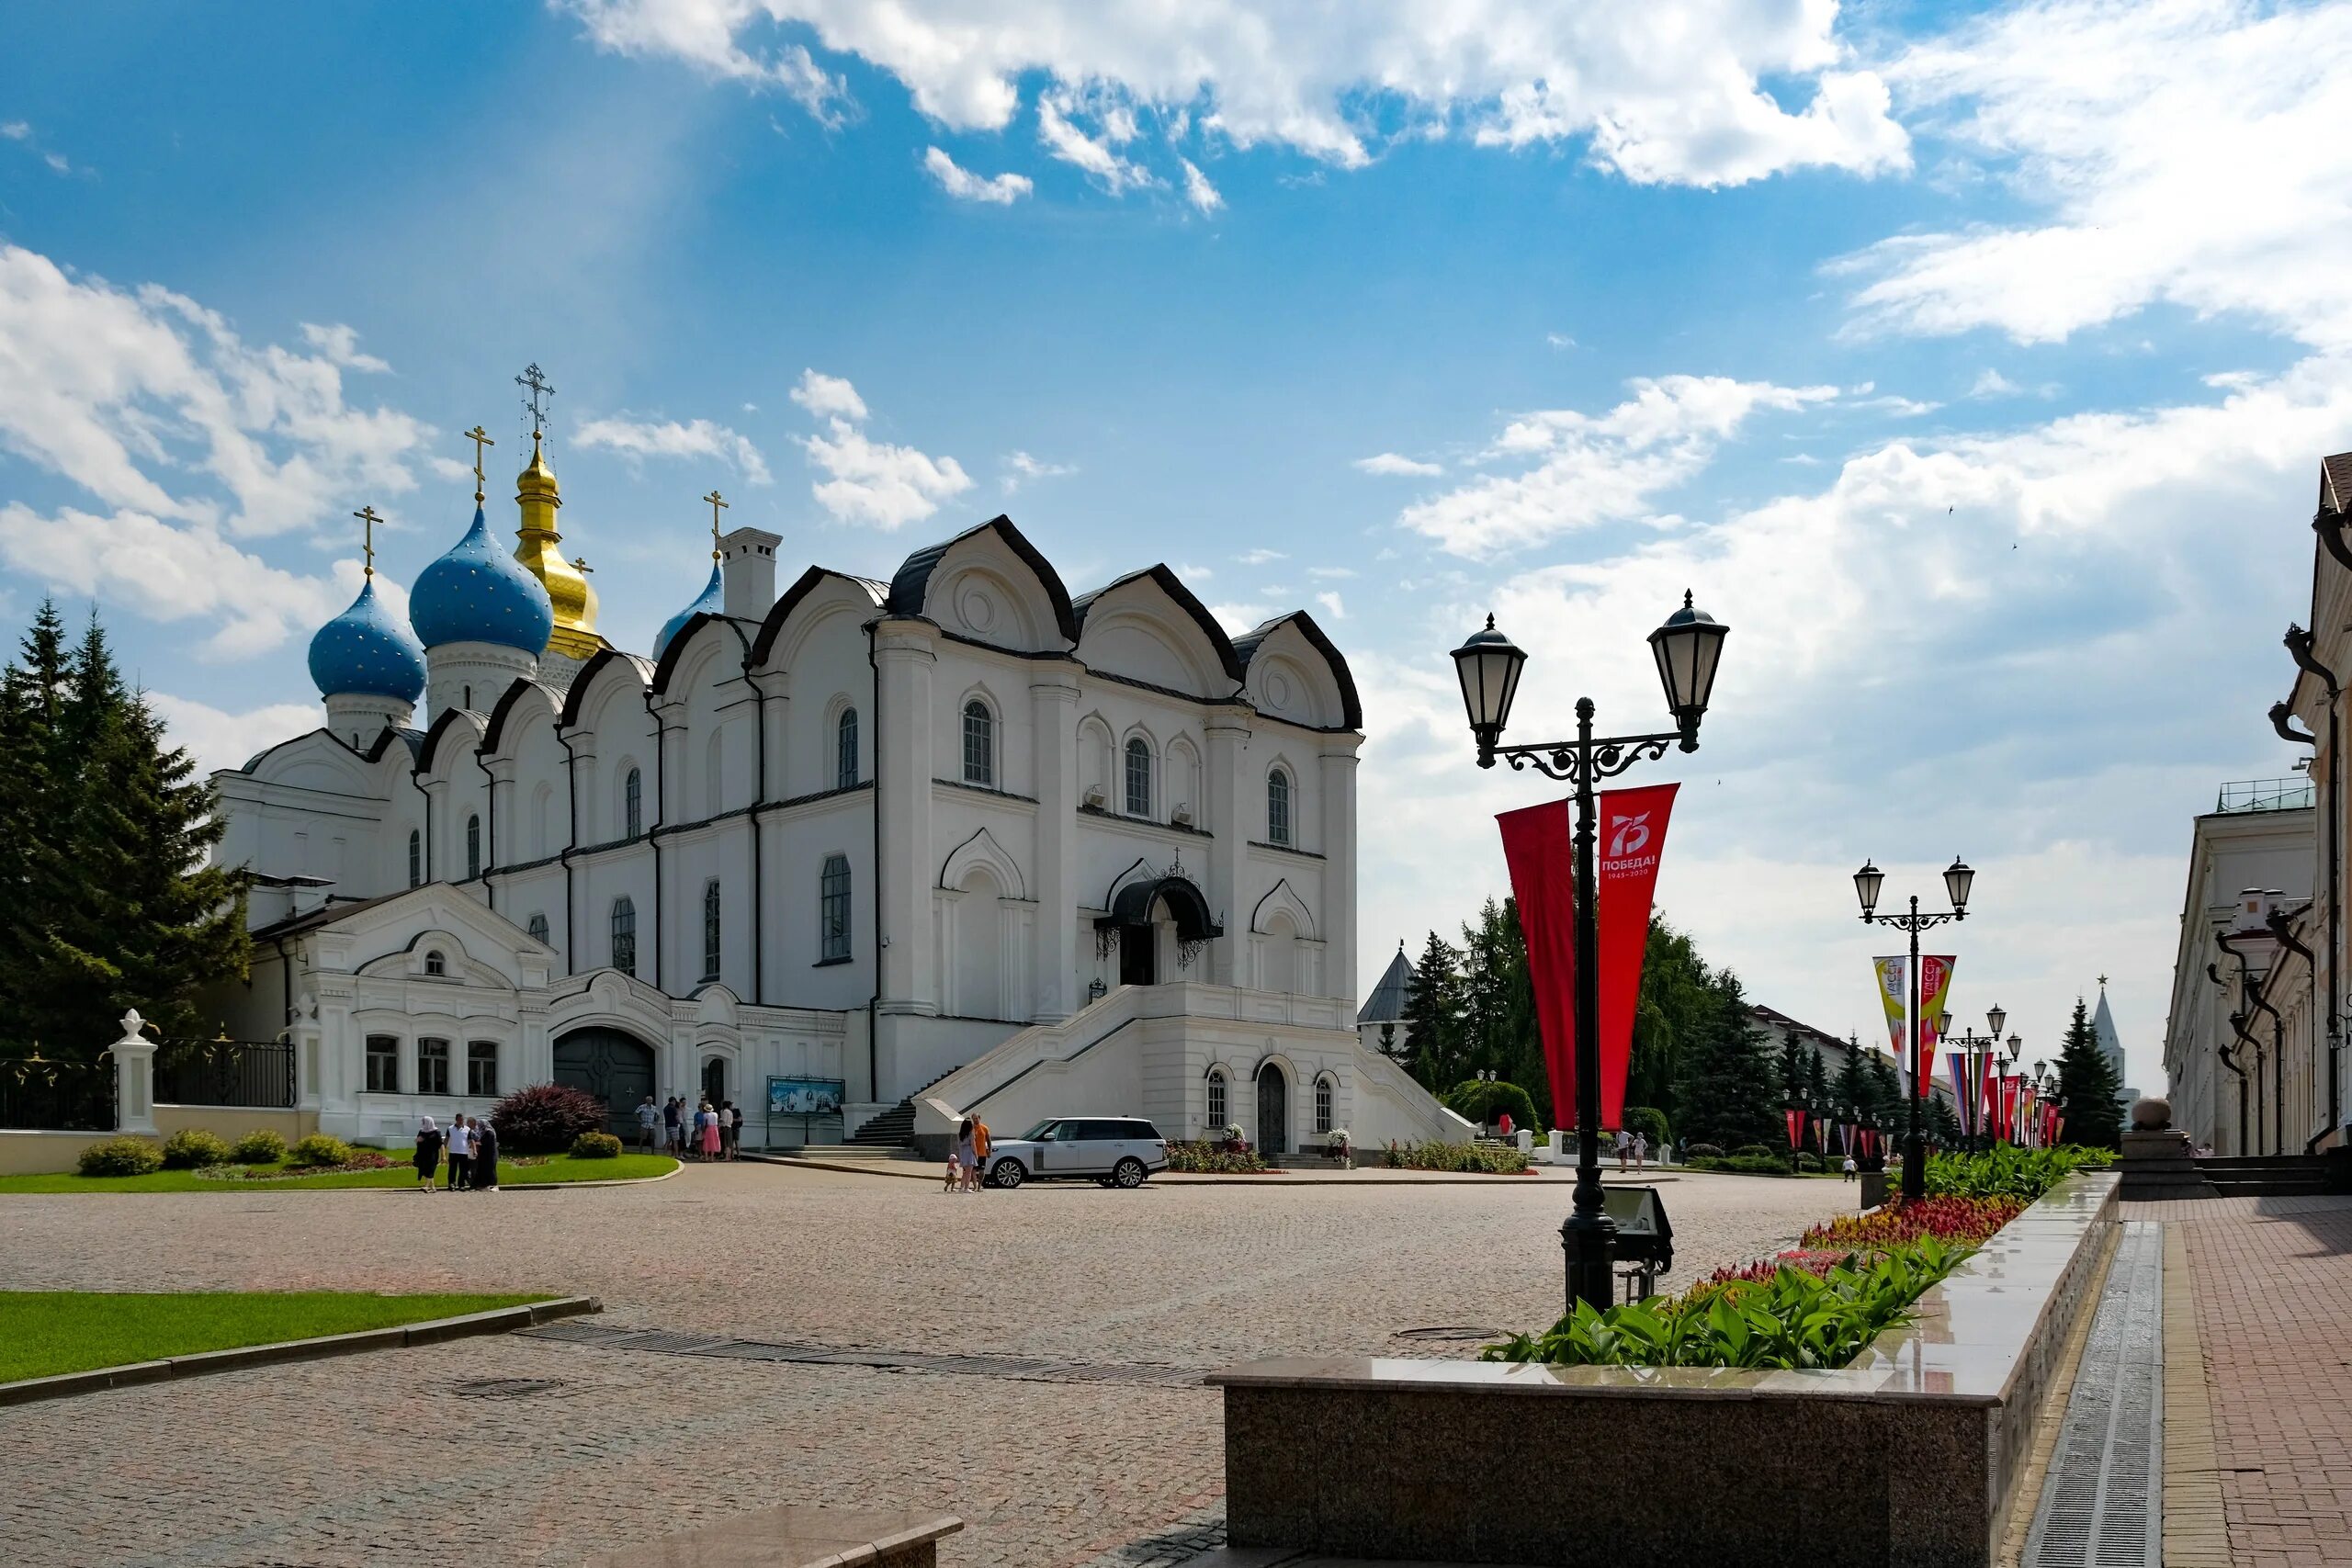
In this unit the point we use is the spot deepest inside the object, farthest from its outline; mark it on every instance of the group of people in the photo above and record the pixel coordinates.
(702, 1132)
(968, 1162)
(470, 1145)
(1634, 1143)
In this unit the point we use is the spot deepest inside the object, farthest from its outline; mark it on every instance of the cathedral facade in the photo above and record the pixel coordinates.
(956, 841)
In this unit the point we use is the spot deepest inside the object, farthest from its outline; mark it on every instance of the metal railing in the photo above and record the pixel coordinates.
(47, 1095)
(2265, 795)
(254, 1073)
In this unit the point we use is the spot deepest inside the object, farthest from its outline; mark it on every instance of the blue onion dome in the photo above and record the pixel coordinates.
(480, 592)
(713, 598)
(366, 651)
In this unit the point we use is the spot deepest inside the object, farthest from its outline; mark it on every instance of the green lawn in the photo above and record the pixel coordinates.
(44, 1333)
(559, 1168)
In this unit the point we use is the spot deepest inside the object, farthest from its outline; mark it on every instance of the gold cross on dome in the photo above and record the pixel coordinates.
(481, 438)
(367, 520)
(717, 504)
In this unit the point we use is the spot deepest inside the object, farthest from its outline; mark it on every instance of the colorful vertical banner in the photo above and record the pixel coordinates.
(1967, 1106)
(1795, 1119)
(1935, 991)
(1538, 844)
(1894, 980)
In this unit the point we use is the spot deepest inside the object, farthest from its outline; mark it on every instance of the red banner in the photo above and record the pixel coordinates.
(1538, 844)
(1795, 1119)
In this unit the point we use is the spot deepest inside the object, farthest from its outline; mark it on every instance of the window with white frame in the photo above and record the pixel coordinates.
(1216, 1098)
(980, 744)
(434, 963)
(383, 1064)
(537, 926)
(482, 1068)
(633, 804)
(710, 931)
(845, 749)
(473, 846)
(1278, 807)
(1323, 1104)
(1138, 777)
(416, 858)
(625, 935)
(832, 910)
(432, 1067)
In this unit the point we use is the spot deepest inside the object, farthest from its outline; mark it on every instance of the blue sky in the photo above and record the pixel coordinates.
(1974, 364)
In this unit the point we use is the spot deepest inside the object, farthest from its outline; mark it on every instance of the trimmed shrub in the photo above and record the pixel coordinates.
(119, 1156)
(319, 1149)
(1704, 1151)
(192, 1149)
(1490, 1158)
(1485, 1102)
(595, 1145)
(1648, 1122)
(260, 1146)
(1762, 1151)
(1215, 1159)
(544, 1118)
(1742, 1164)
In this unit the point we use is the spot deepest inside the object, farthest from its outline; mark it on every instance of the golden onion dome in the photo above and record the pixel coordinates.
(539, 547)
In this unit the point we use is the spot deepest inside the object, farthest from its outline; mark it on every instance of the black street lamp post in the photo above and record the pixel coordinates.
(1687, 649)
(1975, 1049)
(1957, 880)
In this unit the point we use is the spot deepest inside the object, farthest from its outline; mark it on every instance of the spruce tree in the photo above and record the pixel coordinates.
(1855, 1089)
(1432, 1017)
(35, 772)
(1729, 1091)
(2093, 1108)
(1817, 1082)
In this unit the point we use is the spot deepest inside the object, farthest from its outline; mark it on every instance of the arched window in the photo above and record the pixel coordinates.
(625, 933)
(1138, 778)
(1278, 807)
(537, 926)
(416, 858)
(1217, 1098)
(434, 963)
(633, 804)
(473, 846)
(832, 910)
(710, 930)
(845, 749)
(1323, 1104)
(980, 744)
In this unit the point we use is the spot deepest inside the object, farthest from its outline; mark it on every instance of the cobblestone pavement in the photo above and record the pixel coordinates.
(2273, 1285)
(397, 1458)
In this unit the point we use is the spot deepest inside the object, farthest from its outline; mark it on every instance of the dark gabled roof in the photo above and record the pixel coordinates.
(428, 757)
(677, 648)
(772, 627)
(913, 578)
(1390, 992)
(1173, 586)
(494, 736)
(1774, 1016)
(326, 914)
(2335, 483)
(413, 739)
(578, 694)
(1351, 706)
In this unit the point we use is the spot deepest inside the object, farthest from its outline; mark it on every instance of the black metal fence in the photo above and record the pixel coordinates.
(58, 1097)
(258, 1072)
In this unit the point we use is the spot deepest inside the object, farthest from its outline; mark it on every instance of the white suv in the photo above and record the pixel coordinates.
(1116, 1151)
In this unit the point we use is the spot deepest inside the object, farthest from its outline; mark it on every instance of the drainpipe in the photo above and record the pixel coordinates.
(653, 834)
(2237, 1026)
(2277, 1074)
(874, 874)
(425, 862)
(570, 846)
(489, 831)
(2283, 929)
(2299, 647)
(759, 801)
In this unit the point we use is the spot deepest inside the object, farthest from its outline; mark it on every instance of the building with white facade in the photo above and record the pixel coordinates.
(960, 838)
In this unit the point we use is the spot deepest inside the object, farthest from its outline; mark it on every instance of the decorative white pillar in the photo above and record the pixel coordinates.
(1052, 711)
(1339, 914)
(902, 778)
(1230, 819)
(134, 1077)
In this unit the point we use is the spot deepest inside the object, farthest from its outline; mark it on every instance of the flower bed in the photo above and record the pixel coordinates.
(1232, 1159)
(1496, 1159)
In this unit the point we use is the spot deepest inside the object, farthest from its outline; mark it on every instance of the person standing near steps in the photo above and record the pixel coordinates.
(460, 1145)
(428, 1154)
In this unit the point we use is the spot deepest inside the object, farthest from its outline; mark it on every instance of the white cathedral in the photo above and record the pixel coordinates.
(863, 857)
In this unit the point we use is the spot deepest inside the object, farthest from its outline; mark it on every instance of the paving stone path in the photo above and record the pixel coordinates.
(543, 1449)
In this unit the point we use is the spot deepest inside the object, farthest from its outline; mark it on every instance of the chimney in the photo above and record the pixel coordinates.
(747, 564)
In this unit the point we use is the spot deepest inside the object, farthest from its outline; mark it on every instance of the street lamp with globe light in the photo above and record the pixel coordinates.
(1958, 880)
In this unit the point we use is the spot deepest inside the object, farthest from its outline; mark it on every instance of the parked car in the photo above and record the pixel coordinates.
(1116, 1151)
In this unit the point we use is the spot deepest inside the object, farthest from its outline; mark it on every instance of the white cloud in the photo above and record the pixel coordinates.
(1002, 191)
(1237, 618)
(1189, 573)
(1330, 600)
(1993, 384)
(220, 740)
(824, 396)
(1020, 467)
(1259, 556)
(2187, 152)
(1559, 340)
(1064, 140)
(1330, 573)
(1197, 189)
(668, 438)
(1391, 463)
(150, 402)
(1590, 469)
(173, 573)
(339, 345)
(1669, 91)
(16, 131)
(1900, 406)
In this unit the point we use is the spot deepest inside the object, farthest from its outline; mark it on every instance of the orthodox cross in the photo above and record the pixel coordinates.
(367, 520)
(581, 563)
(716, 504)
(541, 390)
(481, 438)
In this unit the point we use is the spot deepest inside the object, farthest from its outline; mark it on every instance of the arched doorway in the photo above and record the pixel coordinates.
(1273, 1111)
(1138, 910)
(979, 947)
(616, 1068)
(714, 1081)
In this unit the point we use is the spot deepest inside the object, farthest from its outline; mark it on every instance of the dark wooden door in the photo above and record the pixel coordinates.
(616, 1068)
(1273, 1111)
(1139, 955)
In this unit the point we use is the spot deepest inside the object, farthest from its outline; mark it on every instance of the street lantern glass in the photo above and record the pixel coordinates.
(1996, 1018)
(1488, 666)
(1943, 1026)
(1687, 649)
(1957, 878)
(2017, 1048)
(1866, 885)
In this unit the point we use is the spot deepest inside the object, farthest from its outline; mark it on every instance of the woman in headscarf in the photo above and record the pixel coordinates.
(428, 1153)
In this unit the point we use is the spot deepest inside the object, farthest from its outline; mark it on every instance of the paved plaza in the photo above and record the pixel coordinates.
(1070, 1425)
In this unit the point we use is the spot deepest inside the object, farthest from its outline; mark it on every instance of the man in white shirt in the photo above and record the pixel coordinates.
(462, 1154)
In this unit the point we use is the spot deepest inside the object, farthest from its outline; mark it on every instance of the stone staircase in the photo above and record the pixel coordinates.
(890, 1133)
(2265, 1176)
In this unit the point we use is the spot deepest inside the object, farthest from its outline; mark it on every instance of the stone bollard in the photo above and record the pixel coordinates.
(134, 1077)
(1526, 1137)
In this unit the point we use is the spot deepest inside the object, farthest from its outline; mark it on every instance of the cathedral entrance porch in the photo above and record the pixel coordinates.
(615, 1067)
